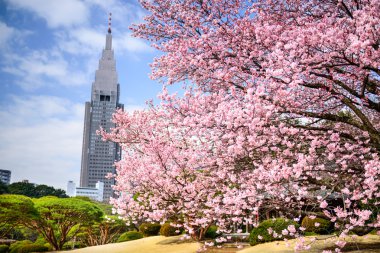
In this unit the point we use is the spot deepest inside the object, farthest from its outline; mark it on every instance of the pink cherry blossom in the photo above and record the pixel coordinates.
(280, 110)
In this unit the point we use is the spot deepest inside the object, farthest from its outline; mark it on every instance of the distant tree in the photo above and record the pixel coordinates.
(35, 191)
(22, 188)
(44, 190)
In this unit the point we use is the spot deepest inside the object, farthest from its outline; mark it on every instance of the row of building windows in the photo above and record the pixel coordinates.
(87, 192)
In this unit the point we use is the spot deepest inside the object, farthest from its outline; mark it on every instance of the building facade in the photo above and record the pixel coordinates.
(99, 156)
(93, 193)
(5, 176)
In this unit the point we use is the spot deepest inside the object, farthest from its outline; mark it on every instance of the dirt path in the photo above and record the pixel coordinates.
(161, 244)
(364, 244)
(154, 244)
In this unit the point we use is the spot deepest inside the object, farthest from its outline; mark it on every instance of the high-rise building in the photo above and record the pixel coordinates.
(98, 156)
(5, 176)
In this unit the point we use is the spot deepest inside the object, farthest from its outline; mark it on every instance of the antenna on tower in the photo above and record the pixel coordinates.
(109, 22)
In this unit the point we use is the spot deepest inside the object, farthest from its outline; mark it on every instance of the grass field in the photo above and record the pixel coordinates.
(160, 244)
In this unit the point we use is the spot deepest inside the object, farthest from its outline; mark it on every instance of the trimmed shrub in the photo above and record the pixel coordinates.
(130, 236)
(360, 231)
(168, 230)
(27, 246)
(150, 229)
(4, 248)
(69, 245)
(33, 248)
(211, 232)
(261, 234)
(325, 226)
(15, 247)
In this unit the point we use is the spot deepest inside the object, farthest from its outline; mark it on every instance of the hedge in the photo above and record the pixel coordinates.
(32, 248)
(14, 248)
(130, 236)
(211, 232)
(168, 230)
(325, 226)
(4, 248)
(150, 229)
(260, 234)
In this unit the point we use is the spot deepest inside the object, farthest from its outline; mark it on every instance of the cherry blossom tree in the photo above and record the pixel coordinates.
(281, 110)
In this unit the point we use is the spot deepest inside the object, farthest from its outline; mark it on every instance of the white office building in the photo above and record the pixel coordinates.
(93, 193)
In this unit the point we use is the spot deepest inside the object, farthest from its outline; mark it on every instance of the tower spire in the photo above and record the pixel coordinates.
(109, 34)
(109, 22)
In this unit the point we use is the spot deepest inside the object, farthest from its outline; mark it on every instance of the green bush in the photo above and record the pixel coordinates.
(69, 245)
(27, 246)
(32, 248)
(4, 248)
(168, 230)
(150, 229)
(130, 236)
(15, 247)
(325, 226)
(211, 232)
(360, 231)
(277, 225)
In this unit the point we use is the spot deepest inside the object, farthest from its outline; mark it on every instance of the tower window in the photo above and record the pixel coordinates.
(105, 98)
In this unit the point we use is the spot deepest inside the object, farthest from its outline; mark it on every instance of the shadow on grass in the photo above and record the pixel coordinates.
(175, 240)
(359, 246)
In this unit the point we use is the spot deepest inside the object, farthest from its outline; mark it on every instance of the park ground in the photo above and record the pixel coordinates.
(161, 244)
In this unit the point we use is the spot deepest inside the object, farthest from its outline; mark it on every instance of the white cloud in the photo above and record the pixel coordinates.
(41, 68)
(133, 107)
(10, 35)
(81, 41)
(41, 139)
(131, 44)
(57, 13)
(124, 13)
(88, 41)
(6, 33)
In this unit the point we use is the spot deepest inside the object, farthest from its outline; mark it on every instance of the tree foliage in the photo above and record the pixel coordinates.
(61, 219)
(57, 220)
(35, 191)
(15, 210)
(281, 110)
(102, 232)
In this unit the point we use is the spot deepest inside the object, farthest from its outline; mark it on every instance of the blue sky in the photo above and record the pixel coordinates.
(49, 53)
